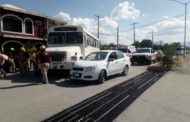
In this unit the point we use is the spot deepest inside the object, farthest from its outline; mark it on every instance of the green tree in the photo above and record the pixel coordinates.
(146, 43)
(169, 51)
(112, 46)
(136, 44)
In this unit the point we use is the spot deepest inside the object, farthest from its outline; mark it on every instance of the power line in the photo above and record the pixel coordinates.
(177, 16)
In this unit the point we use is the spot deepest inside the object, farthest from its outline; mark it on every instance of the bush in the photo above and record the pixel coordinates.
(166, 61)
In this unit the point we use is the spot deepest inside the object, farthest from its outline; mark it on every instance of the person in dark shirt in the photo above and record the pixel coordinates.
(44, 59)
(22, 60)
(11, 59)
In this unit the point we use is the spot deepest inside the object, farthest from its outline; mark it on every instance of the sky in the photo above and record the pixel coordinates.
(165, 18)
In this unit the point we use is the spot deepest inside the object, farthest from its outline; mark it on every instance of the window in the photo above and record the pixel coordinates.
(112, 56)
(28, 26)
(12, 23)
(119, 55)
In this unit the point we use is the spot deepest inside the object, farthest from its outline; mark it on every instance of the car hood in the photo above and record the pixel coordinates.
(83, 63)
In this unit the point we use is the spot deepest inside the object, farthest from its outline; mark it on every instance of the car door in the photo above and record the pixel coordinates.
(112, 64)
(121, 61)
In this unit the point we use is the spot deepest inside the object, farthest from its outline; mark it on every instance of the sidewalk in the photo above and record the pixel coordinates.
(168, 100)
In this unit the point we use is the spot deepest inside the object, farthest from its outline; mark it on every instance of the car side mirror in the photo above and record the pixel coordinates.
(111, 59)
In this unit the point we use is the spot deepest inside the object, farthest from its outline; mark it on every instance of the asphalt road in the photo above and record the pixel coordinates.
(26, 99)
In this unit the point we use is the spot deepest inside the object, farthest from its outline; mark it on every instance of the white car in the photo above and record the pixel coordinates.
(99, 65)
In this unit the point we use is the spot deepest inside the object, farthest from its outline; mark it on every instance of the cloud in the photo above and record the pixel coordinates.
(89, 24)
(108, 24)
(167, 29)
(63, 16)
(125, 11)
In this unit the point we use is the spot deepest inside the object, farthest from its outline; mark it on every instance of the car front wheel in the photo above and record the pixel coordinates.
(125, 71)
(102, 76)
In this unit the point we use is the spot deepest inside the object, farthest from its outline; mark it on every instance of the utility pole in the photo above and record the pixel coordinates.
(185, 24)
(134, 23)
(117, 37)
(152, 38)
(98, 25)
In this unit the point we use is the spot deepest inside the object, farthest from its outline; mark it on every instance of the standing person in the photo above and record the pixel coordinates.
(2, 61)
(22, 60)
(32, 60)
(44, 59)
(11, 58)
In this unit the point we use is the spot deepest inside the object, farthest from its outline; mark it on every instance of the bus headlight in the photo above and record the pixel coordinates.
(91, 68)
(73, 58)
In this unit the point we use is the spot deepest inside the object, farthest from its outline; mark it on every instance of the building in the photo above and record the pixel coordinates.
(19, 27)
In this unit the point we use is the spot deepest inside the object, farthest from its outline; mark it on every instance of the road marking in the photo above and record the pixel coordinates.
(68, 110)
(136, 79)
(149, 81)
(112, 108)
(87, 105)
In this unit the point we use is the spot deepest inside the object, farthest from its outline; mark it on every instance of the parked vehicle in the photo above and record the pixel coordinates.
(159, 54)
(97, 66)
(143, 55)
(126, 51)
(69, 43)
(180, 51)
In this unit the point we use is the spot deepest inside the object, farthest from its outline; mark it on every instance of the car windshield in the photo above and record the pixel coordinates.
(143, 51)
(96, 56)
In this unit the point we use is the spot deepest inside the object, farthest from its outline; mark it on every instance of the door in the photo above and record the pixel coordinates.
(112, 64)
(121, 61)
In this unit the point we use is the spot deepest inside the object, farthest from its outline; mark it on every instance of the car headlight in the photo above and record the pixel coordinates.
(91, 68)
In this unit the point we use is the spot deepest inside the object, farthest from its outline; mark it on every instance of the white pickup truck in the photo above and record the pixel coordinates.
(143, 55)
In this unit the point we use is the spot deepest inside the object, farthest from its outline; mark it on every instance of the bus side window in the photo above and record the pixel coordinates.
(88, 41)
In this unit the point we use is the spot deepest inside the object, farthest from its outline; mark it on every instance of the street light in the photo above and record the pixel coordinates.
(185, 24)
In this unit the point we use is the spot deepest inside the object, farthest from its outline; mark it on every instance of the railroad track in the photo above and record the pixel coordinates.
(107, 105)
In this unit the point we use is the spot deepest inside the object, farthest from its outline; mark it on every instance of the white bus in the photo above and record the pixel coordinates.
(69, 43)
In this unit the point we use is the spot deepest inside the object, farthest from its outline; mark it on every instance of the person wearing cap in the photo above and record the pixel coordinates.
(22, 60)
(11, 58)
(44, 59)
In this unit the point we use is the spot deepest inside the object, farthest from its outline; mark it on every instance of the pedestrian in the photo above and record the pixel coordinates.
(11, 58)
(44, 59)
(22, 60)
(2, 61)
(32, 60)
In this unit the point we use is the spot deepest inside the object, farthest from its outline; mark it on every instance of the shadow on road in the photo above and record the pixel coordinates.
(29, 79)
(58, 78)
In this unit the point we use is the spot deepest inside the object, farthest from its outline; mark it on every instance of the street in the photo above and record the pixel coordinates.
(26, 99)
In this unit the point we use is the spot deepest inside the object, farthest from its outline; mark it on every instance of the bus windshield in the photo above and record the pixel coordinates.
(65, 38)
